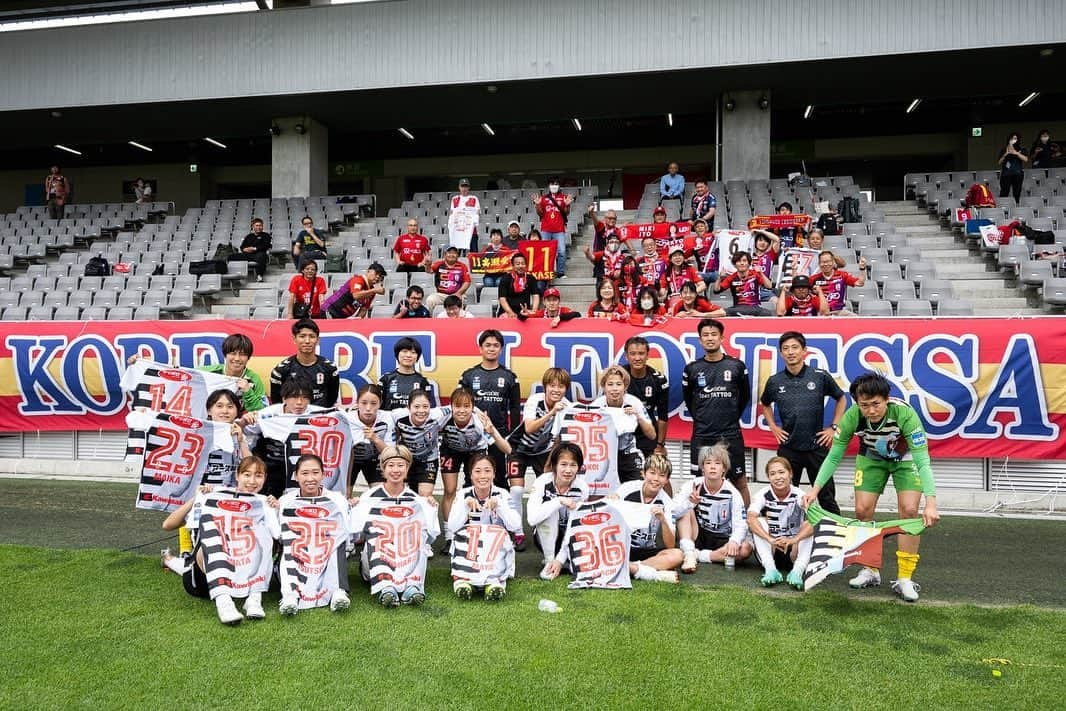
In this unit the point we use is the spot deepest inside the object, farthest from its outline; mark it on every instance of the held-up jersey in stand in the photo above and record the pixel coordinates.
(395, 531)
(592, 429)
(170, 452)
(646, 537)
(236, 532)
(783, 516)
(596, 546)
(728, 243)
(720, 513)
(314, 546)
(327, 434)
(177, 391)
(462, 220)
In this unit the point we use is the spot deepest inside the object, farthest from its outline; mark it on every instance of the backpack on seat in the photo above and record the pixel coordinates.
(97, 266)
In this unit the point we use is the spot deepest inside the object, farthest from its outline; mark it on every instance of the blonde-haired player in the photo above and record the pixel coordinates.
(710, 514)
(647, 559)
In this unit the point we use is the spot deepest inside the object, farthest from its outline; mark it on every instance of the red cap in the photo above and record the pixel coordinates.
(551, 291)
(659, 210)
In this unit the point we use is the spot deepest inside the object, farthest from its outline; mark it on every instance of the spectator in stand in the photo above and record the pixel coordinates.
(692, 305)
(514, 234)
(658, 215)
(496, 246)
(630, 283)
(678, 273)
(551, 309)
(411, 249)
(142, 191)
(412, 306)
(816, 240)
(607, 304)
(672, 187)
(469, 202)
(453, 308)
(451, 276)
(767, 248)
(255, 248)
(704, 203)
(744, 283)
(789, 236)
(603, 230)
(305, 292)
(356, 298)
(518, 290)
(56, 191)
(652, 266)
(534, 236)
(701, 248)
(553, 208)
(801, 300)
(833, 282)
(1040, 153)
(1012, 167)
(608, 262)
(648, 311)
(308, 242)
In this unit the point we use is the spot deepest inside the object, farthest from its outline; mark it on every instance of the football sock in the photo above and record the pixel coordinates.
(645, 572)
(907, 562)
(765, 552)
(686, 545)
(703, 556)
(516, 498)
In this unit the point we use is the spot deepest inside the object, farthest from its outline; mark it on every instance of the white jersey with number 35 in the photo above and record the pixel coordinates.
(592, 429)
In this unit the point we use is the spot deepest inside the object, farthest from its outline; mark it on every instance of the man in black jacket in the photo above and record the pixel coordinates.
(255, 247)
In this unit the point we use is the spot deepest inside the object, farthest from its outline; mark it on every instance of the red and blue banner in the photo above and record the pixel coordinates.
(983, 387)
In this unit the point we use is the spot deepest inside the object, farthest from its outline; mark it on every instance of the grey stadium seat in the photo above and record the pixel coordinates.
(1054, 291)
(954, 307)
(936, 290)
(915, 308)
(872, 307)
(898, 290)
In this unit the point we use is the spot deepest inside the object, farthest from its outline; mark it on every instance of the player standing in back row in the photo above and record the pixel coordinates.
(892, 442)
(717, 392)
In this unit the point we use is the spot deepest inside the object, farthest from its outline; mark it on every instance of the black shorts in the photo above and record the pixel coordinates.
(638, 554)
(277, 479)
(630, 467)
(423, 472)
(706, 541)
(518, 465)
(452, 462)
(737, 453)
(194, 580)
(370, 469)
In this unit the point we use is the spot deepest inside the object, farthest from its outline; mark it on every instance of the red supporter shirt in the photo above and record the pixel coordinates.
(411, 249)
(551, 219)
(612, 262)
(811, 306)
(745, 290)
(834, 287)
(304, 292)
(638, 319)
(450, 279)
(673, 281)
(616, 313)
(700, 305)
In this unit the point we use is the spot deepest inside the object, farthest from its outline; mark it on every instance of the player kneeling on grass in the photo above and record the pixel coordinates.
(480, 528)
(555, 494)
(775, 519)
(397, 527)
(710, 514)
(233, 532)
(649, 561)
(892, 443)
(314, 542)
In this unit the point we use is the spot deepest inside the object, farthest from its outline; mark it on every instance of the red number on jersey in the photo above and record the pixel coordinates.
(494, 537)
(398, 541)
(180, 403)
(314, 541)
(238, 536)
(592, 442)
(606, 550)
(159, 458)
(328, 445)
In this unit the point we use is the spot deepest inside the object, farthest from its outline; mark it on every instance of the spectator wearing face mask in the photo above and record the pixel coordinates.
(1012, 167)
(554, 209)
(608, 262)
(1040, 153)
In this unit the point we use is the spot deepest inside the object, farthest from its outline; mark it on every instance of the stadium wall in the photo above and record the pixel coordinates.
(362, 46)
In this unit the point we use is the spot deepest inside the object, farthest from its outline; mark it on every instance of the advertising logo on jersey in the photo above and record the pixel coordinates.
(587, 416)
(189, 423)
(178, 376)
(234, 505)
(397, 511)
(312, 512)
(595, 519)
(322, 421)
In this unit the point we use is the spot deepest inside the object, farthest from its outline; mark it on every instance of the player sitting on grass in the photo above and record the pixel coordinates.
(775, 519)
(649, 561)
(892, 443)
(555, 494)
(482, 503)
(394, 561)
(251, 475)
(710, 514)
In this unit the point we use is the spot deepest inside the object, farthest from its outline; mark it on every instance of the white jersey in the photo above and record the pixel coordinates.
(175, 391)
(797, 261)
(423, 440)
(363, 450)
(544, 499)
(597, 547)
(236, 532)
(170, 453)
(326, 434)
(482, 554)
(539, 442)
(625, 426)
(314, 543)
(503, 515)
(647, 537)
(222, 466)
(720, 513)
(462, 220)
(396, 531)
(592, 429)
(728, 243)
(783, 516)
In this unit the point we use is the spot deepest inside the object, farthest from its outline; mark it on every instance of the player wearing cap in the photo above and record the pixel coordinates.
(801, 300)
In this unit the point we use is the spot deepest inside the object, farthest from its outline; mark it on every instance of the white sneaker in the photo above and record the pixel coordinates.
(288, 605)
(339, 601)
(866, 578)
(253, 606)
(906, 589)
(546, 572)
(667, 576)
(428, 550)
(689, 563)
(227, 611)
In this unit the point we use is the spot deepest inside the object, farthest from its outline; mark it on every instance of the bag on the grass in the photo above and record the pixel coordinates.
(207, 266)
(97, 266)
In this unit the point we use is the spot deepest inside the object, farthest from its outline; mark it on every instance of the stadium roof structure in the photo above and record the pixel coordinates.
(16, 10)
